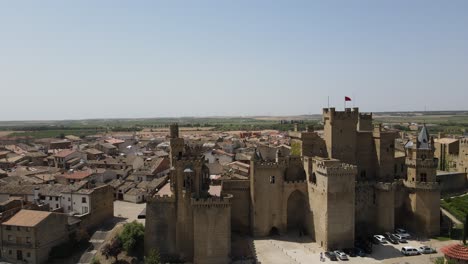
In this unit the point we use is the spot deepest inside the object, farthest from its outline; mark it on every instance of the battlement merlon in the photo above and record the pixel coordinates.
(334, 167)
(224, 201)
(428, 186)
(349, 113)
(270, 165)
(365, 116)
(189, 160)
(161, 199)
(295, 182)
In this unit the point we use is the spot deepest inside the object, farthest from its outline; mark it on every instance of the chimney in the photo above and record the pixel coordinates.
(36, 195)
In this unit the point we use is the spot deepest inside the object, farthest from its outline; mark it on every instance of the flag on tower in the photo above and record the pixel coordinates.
(346, 98)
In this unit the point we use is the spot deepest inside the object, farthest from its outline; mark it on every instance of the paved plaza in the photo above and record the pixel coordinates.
(294, 250)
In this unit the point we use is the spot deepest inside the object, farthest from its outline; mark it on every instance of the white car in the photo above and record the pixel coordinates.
(380, 239)
(400, 238)
(402, 233)
(426, 250)
(340, 255)
(409, 251)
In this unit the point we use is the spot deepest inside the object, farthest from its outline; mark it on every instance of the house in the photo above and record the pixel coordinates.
(122, 189)
(217, 155)
(11, 162)
(73, 138)
(71, 177)
(447, 151)
(29, 235)
(156, 169)
(60, 144)
(135, 195)
(94, 154)
(66, 158)
(36, 158)
(114, 141)
(107, 148)
(92, 206)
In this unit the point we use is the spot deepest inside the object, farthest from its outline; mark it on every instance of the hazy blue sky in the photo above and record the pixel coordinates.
(94, 59)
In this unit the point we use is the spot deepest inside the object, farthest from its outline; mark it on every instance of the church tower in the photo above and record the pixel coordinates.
(423, 189)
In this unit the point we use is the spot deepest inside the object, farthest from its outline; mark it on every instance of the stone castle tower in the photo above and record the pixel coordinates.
(423, 189)
(183, 212)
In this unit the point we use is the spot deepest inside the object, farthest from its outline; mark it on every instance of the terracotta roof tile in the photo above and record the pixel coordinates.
(64, 153)
(456, 251)
(28, 218)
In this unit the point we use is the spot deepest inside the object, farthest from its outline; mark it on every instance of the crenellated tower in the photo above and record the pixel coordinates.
(340, 133)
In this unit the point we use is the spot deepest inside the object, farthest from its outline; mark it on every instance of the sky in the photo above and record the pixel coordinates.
(134, 59)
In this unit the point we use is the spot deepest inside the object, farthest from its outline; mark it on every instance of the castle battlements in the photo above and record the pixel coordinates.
(295, 182)
(464, 141)
(162, 198)
(365, 116)
(270, 165)
(196, 160)
(428, 163)
(429, 186)
(235, 185)
(224, 201)
(348, 113)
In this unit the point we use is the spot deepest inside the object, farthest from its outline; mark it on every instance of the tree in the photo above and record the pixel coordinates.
(153, 257)
(132, 236)
(112, 249)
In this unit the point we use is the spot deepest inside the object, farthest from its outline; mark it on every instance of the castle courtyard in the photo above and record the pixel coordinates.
(292, 249)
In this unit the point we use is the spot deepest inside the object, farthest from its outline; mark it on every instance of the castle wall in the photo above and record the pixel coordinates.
(401, 210)
(452, 182)
(365, 209)
(212, 231)
(425, 206)
(365, 122)
(240, 204)
(385, 200)
(341, 211)
(366, 154)
(160, 227)
(332, 195)
(340, 133)
(266, 196)
(384, 143)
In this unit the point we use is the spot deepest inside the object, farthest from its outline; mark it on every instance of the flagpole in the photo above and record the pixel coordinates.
(328, 101)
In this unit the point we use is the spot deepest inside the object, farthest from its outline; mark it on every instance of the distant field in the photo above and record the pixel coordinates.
(5, 133)
(54, 133)
(453, 122)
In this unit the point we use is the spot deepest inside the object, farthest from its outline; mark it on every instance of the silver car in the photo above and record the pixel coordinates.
(340, 255)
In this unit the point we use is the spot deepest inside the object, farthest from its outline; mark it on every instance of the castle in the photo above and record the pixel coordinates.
(345, 184)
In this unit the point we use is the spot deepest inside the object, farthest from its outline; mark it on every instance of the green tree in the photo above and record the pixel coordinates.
(153, 257)
(132, 236)
(112, 249)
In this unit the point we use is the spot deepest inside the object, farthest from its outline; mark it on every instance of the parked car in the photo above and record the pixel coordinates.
(409, 251)
(390, 238)
(402, 232)
(400, 238)
(364, 244)
(331, 255)
(350, 252)
(361, 252)
(341, 255)
(379, 239)
(426, 250)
